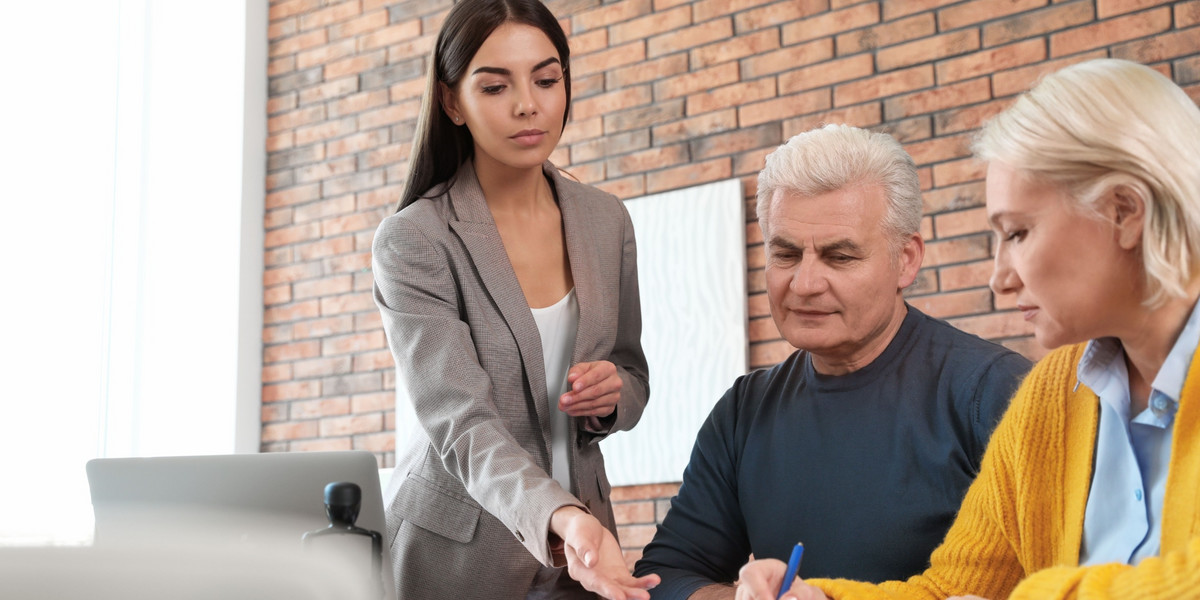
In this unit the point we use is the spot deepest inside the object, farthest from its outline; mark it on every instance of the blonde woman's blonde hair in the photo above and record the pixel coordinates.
(834, 157)
(1105, 124)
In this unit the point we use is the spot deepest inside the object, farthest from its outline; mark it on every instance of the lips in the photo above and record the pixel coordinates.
(1028, 311)
(528, 137)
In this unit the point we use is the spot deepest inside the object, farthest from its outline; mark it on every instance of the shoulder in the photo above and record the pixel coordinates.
(425, 218)
(768, 384)
(966, 352)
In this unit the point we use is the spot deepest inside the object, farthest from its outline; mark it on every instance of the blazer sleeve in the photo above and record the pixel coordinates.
(627, 354)
(451, 392)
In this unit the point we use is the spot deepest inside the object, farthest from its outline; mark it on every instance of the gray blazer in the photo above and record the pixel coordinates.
(473, 490)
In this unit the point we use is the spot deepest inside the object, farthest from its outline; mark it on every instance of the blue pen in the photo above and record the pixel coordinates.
(793, 566)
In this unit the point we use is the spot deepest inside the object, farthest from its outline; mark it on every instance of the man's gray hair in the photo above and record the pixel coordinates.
(834, 157)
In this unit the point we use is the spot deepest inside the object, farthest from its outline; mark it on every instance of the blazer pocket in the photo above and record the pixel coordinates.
(424, 505)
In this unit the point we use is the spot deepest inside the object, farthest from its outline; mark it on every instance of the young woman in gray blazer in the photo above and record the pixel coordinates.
(509, 296)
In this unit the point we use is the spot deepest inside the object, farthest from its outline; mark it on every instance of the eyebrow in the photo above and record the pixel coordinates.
(845, 245)
(506, 72)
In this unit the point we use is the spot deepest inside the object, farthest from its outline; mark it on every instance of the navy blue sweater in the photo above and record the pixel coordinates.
(866, 469)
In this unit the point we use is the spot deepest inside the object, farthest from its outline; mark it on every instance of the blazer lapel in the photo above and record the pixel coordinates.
(582, 256)
(477, 230)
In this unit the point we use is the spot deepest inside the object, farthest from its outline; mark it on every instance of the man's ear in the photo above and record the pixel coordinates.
(910, 256)
(449, 101)
(1126, 206)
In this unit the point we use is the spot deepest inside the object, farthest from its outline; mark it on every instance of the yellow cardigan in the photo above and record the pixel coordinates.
(1018, 532)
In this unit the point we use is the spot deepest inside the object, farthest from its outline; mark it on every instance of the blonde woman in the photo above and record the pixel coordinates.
(1089, 487)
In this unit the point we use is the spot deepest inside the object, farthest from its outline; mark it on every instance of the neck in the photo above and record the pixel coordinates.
(509, 189)
(867, 353)
(1148, 340)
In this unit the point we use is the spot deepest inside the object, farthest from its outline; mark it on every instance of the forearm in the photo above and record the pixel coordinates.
(716, 591)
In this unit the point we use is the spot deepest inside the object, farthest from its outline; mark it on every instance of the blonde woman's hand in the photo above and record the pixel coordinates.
(760, 580)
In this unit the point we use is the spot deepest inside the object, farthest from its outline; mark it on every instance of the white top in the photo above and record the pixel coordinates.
(558, 325)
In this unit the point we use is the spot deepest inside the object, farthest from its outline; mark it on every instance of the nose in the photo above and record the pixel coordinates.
(808, 279)
(1004, 277)
(524, 103)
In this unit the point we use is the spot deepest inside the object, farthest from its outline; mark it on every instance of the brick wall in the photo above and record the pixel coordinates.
(668, 94)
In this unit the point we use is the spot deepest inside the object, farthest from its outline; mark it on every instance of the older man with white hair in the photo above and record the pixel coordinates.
(862, 443)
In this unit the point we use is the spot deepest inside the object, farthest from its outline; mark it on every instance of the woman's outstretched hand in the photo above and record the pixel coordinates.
(594, 558)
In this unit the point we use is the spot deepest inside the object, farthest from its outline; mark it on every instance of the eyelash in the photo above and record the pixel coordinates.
(545, 84)
(1016, 235)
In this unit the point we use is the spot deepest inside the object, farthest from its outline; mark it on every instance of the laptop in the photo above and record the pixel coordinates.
(232, 502)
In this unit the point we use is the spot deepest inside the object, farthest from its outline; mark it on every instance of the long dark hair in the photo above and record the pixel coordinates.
(439, 146)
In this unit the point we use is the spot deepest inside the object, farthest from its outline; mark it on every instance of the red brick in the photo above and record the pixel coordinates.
(347, 303)
(355, 264)
(610, 14)
(291, 235)
(648, 71)
(274, 432)
(388, 36)
(279, 334)
(647, 160)
(598, 149)
(293, 195)
(957, 250)
(954, 197)
(994, 326)
(961, 222)
(315, 173)
(297, 43)
(282, 28)
(293, 351)
(322, 367)
(617, 56)
(290, 273)
(787, 58)
(966, 275)
(644, 492)
(1187, 14)
(329, 90)
(293, 390)
(1110, 8)
(1107, 33)
(730, 95)
(744, 138)
(333, 14)
(649, 25)
(830, 23)
(764, 329)
(689, 37)
(281, 65)
(696, 80)
(365, 403)
(625, 187)
(325, 208)
(611, 101)
(284, 313)
(886, 34)
(861, 115)
(373, 361)
(769, 353)
(364, 24)
(734, 48)
(1160, 47)
(295, 118)
(1037, 22)
(273, 413)
(907, 131)
(778, 13)
(356, 64)
(353, 383)
(321, 328)
(894, 9)
(628, 513)
(927, 50)
(415, 48)
(784, 107)
(925, 283)
(354, 222)
(279, 104)
(1015, 81)
(389, 115)
(326, 130)
(757, 305)
(276, 373)
(971, 117)
(358, 102)
(990, 61)
(324, 54)
(879, 86)
(826, 73)
(659, 112)
(955, 304)
(939, 98)
(277, 295)
(349, 425)
(978, 11)
(688, 175)
(582, 129)
(327, 286)
(384, 196)
(356, 143)
(959, 171)
(695, 127)
(751, 162)
(635, 536)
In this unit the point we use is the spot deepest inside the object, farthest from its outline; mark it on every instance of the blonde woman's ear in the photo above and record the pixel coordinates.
(1128, 205)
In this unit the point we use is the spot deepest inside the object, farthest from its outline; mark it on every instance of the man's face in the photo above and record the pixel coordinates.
(834, 274)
